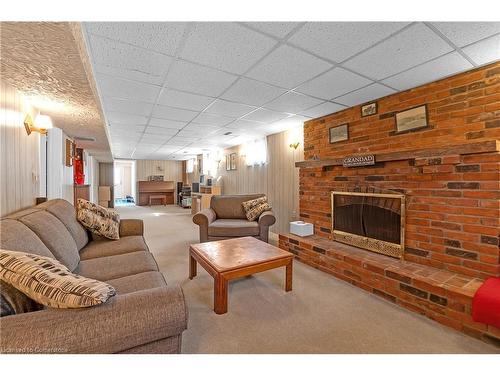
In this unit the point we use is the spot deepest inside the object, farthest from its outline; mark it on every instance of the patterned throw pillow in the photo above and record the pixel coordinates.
(99, 220)
(50, 283)
(255, 207)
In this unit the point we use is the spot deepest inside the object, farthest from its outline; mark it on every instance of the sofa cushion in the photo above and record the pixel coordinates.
(50, 283)
(233, 228)
(54, 235)
(14, 235)
(116, 266)
(99, 220)
(65, 212)
(105, 248)
(140, 281)
(230, 206)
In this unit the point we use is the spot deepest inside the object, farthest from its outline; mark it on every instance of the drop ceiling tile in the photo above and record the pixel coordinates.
(231, 109)
(134, 75)
(189, 133)
(339, 40)
(125, 89)
(179, 99)
(277, 29)
(127, 61)
(146, 148)
(265, 116)
(209, 119)
(178, 141)
(286, 124)
(323, 109)
(198, 79)
(292, 102)
(125, 118)
(430, 71)
(154, 139)
(126, 129)
(333, 83)
(167, 123)
(485, 51)
(226, 46)
(288, 67)
(413, 46)
(160, 131)
(200, 128)
(365, 94)
(168, 149)
(243, 124)
(158, 36)
(176, 114)
(127, 106)
(464, 33)
(252, 92)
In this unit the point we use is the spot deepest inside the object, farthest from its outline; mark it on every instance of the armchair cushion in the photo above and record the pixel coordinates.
(233, 228)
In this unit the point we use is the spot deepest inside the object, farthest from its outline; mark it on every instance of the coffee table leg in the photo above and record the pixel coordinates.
(288, 280)
(220, 295)
(192, 267)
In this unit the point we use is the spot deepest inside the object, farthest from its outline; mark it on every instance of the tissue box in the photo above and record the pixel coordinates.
(301, 228)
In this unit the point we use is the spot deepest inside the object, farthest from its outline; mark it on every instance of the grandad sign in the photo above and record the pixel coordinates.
(358, 161)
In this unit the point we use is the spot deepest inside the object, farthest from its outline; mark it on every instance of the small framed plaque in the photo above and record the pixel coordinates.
(411, 119)
(369, 109)
(339, 133)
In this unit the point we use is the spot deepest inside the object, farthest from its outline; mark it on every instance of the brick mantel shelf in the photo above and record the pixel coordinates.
(462, 149)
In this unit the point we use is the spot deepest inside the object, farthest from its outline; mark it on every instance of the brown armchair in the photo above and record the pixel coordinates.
(226, 219)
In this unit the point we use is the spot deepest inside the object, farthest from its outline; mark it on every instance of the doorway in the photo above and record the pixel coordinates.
(124, 182)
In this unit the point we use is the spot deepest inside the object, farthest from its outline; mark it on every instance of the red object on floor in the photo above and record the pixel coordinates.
(486, 303)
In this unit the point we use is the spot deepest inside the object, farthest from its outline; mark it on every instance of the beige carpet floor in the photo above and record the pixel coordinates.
(321, 315)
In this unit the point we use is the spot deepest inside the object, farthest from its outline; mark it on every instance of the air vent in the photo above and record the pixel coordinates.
(86, 139)
(228, 133)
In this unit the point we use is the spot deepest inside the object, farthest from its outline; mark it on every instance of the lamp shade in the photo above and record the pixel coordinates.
(43, 122)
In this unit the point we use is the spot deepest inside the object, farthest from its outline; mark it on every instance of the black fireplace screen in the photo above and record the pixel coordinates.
(376, 216)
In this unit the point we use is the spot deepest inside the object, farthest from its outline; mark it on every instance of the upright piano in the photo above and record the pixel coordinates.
(156, 188)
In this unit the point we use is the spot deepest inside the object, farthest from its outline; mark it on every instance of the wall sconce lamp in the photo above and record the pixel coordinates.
(294, 145)
(41, 125)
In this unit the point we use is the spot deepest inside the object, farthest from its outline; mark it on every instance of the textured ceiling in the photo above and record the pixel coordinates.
(47, 62)
(170, 90)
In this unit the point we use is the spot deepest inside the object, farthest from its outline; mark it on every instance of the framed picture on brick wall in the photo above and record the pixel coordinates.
(369, 109)
(339, 133)
(411, 119)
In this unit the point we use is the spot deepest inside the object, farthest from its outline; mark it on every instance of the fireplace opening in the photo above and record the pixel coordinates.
(370, 219)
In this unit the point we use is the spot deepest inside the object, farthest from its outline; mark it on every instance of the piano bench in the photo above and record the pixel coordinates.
(162, 197)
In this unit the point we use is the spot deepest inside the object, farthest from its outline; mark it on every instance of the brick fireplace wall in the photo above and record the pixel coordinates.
(453, 209)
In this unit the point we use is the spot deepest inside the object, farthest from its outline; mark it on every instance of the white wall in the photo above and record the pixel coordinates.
(59, 177)
(19, 153)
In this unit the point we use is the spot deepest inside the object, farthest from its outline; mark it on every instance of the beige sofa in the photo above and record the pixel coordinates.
(226, 219)
(146, 315)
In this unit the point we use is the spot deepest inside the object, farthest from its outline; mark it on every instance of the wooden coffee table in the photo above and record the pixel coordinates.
(234, 258)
